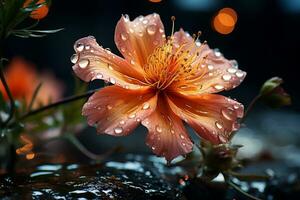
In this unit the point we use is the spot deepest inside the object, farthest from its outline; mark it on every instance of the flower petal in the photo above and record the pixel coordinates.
(137, 39)
(167, 136)
(212, 116)
(214, 72)
(93, 62)
(117, 111)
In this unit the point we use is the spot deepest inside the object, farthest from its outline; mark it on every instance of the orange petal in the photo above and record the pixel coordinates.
(215, 73)
(117, 111)
(212, 116)
(93, 62)
(137, 39)
(167, 136)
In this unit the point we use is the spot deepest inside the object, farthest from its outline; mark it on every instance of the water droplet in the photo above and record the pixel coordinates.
(131, 30)
(79, 47)
(239, 74)
(151, 29)
(182, 137)
(145, 21)
(234, 64)
(87, 47)
(158, 129)
(226, 77)
(236, 106)
(74, 58)
(109, 107)
(172, 131)
(132, 62)
(99, 76)
(218, 125)
(210, 67)
(183, 144)
(228, 113)
(232, 70)
(123, 49)
(118, 130)
(126, 18)
(146, 106)
(138, 119)
(112, 80)
(122, 122)
(124, 36)
(217, 52)
(83, 63)
(198, 43)
(132, 116)
(153, 148)
(110, 67)
(161, 30)
(219, 87)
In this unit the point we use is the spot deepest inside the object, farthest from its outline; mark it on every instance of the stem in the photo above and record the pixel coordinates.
(250, 107)
(11, 99)
(61, 102)
(85, 151)
(241, 191)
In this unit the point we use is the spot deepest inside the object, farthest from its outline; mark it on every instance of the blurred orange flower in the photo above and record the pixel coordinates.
(161, 82)
(39, 13)
(23, 79)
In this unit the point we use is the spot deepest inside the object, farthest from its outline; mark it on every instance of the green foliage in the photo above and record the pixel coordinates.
(13, 14)
(273, 95)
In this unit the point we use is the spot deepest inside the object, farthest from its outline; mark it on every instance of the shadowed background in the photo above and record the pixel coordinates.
(265, 42)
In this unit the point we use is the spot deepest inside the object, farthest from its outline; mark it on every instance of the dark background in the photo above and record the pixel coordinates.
(265, 42)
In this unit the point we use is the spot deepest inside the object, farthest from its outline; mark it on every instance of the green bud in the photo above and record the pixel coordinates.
(273, 94)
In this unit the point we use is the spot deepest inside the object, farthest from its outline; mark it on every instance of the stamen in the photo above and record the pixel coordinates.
(173, 25)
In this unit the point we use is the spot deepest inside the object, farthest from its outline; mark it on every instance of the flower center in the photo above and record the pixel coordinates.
(173, 62)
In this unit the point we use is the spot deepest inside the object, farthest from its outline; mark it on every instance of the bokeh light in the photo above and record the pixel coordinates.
(224, 21)
(155, 1)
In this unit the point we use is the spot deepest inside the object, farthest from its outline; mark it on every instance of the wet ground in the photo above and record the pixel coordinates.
(142, 177)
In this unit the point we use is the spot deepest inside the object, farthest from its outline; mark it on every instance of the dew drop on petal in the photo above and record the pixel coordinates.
(99, 76)
(198, 43)
(146, 106)
(151, 29)
(218, 125)
(217, 52)
(161, 30)
(234, 64)
(74, 58)
(232, 70)
(124, 36)
(132, 116)
(145, 21)
(182, 137)
(153, 148)
(87, 47)
(236, 106)
(83, 63)
(118, 130)
(138, 119)
(228, 113)
(158, 129)
(122, 122)
(109, 107)
(112, 80)
(79, 47)
(239, 74)
(219, 87)
(226, 77)
(210, 67)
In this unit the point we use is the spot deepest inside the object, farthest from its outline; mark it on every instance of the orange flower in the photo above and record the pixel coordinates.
(159, 83)
(39, 13)
(22, 79)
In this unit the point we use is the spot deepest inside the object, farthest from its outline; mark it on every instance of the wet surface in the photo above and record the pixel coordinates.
(143, 177)
(129, 179)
